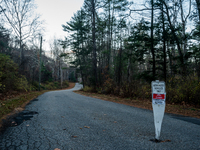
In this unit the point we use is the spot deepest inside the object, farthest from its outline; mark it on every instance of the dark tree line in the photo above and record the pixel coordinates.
(113, 51)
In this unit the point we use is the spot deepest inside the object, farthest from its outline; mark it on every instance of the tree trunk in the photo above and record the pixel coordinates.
(119, 67)
(198, 8)
(94, 45)
(164, 45)
(175, 37)
(152, 40)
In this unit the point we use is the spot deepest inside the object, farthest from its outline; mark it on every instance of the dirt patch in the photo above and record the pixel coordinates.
(184, 110)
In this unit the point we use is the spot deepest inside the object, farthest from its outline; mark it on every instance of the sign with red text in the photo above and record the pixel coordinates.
(158, 92)
(158, 104)
(158, 96)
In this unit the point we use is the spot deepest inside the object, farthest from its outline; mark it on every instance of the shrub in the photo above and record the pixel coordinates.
(22, 84)
(2, 87)
(65, 84)
(55, 85)
(9, 77)
(134, 89)
(49, 86)
(88, 89)
(183, 90)
(108, 86)
(35, 85)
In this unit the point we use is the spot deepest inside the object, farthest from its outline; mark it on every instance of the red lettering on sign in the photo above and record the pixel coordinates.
(158, 96)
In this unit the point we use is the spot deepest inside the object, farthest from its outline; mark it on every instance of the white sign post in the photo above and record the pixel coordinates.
(158, 104)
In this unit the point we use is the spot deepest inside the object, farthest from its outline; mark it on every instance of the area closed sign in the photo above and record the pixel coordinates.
(158, 96)
(158, 103)
(158, 92)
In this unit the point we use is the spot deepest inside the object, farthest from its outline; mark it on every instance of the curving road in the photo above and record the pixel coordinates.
(69, 121)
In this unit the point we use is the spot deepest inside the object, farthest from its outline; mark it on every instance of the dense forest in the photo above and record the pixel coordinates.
(121, 46)
(116, 47)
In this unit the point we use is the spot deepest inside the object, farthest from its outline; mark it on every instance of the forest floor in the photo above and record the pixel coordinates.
(184, 110)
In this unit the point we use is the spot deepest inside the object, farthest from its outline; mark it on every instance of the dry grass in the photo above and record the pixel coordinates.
(185, 110)
(9, 107)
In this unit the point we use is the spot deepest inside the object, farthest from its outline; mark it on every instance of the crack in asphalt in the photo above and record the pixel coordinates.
(66, 120)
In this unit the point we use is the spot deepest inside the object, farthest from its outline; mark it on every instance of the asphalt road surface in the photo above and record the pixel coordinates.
(66, 120)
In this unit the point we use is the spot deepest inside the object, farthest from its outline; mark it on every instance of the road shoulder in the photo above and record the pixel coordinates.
(184, 110)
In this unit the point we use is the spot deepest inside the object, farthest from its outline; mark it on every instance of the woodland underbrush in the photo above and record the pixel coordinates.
(179, 90)
(12, 83)
(55, 85)
(10, 79)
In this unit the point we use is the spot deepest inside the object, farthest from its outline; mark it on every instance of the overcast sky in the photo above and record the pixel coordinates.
(55, 13)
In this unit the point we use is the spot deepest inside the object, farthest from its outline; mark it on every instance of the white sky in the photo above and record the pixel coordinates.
(55, 13)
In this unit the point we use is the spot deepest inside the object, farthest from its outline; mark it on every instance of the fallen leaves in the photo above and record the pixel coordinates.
(19, 109)
(166, 141)
(74, 136)
(13, 122)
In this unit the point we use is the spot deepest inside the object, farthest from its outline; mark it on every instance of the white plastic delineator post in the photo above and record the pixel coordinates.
(158, 104)
(158, 112)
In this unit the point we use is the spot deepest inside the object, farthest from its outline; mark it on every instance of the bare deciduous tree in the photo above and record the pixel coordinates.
(21, 17)
(57, 50)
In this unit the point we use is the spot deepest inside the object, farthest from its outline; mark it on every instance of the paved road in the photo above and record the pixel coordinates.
(66, 120)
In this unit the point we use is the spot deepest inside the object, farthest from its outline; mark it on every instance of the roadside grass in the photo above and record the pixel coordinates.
(16, 104)
(185, 110)
(19, 101)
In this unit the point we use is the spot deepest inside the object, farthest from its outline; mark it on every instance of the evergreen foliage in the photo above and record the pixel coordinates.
(130, 55)
(9, 77)
(113, 53)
